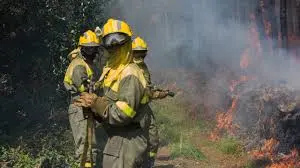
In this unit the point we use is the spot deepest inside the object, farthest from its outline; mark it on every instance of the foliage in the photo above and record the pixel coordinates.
(20, 158)
(35, 38)
(44, 148)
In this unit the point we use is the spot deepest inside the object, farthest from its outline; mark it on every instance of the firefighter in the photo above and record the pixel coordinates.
(139, 49)
(80, 71)
(124, 107)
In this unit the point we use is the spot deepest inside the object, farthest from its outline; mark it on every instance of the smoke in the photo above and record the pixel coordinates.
(201, 36)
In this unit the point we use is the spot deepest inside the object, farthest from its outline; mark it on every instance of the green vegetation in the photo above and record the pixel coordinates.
(36, 37)
(186, 150)
(230, 146)
(20, 158)
(176, 128)
(40, 148)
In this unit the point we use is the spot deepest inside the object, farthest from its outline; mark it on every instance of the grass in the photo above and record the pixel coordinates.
(174, 124)
(186, 150)
(230, 146)
(169, 117)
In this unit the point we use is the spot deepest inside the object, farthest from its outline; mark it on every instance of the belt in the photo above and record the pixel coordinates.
(131, 127)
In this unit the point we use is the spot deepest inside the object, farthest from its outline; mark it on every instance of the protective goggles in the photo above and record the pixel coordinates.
(115, 40)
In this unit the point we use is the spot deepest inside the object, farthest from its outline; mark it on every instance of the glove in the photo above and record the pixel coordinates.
(99, 106)
(86, 99)
(163, 94)
(159, 94)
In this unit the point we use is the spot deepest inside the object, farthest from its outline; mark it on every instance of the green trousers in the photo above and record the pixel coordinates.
(125, 149)
(79, 130)
(153, 136)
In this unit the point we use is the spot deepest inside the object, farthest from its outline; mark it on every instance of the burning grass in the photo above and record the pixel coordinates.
(268, 152)
(265, 116)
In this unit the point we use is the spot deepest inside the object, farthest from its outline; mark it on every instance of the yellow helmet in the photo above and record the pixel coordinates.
(116, 26)
(139, 44)
(89, 39)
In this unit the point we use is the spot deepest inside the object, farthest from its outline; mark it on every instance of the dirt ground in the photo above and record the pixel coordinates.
(214, 158)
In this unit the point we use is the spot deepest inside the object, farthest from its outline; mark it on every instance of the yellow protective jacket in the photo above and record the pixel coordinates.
(127, 96)
(77, 73)
(152, 94)
(144, 68)
(124, 85)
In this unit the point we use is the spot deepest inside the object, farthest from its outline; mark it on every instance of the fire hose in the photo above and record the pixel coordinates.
(88, 115)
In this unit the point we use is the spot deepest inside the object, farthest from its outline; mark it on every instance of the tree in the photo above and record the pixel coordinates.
(35, 39)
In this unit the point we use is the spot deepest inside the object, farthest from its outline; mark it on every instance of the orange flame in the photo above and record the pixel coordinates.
(266, 150)
(224, 121)
(291, 160)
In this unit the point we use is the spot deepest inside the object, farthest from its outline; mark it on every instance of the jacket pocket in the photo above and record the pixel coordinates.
(114, 146)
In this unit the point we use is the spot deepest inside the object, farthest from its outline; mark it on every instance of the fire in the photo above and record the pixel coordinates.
(224, 121)
(250, 56)
(290, 160)
(225, 118)
(266, 150)
(287, 161)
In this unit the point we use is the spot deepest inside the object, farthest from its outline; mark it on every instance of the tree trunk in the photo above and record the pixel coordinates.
(260, 24)
(298, 17)
(283, 23)
(274, 26)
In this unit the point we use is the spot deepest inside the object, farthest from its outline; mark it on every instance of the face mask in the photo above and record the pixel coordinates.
(89, 52)
(120, 55)
(139, 54)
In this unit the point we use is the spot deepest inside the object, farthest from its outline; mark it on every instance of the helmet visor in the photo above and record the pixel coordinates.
(115, 40)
